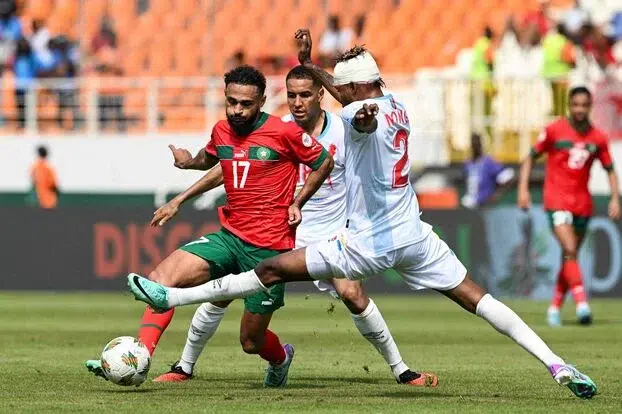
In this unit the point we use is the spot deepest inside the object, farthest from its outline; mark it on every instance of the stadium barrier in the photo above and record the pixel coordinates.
(444, 110)
(508, 251)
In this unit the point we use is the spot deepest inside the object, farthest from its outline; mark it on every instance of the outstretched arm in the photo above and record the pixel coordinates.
(185, 161)
(209, 181)
(303, 37)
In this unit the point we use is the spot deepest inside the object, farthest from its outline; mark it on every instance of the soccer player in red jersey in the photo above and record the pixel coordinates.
(259, 155)
(572, 145)
(371, 138)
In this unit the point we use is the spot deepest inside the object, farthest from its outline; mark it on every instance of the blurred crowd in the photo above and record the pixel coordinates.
(31, 53)
(583, 42)
(335, 40)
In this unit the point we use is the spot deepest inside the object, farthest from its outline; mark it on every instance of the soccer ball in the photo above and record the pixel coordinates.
(126, 361)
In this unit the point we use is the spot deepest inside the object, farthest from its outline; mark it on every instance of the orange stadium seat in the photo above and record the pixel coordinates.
(186, 38)
(91, 14)
(39, 9)
(173, 22)
(135, 59)
(160, 58)
(67, 8)
(188, 8)
(161, 7)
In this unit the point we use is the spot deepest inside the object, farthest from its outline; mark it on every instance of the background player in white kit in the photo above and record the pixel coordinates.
(322, 217)
(384, 230)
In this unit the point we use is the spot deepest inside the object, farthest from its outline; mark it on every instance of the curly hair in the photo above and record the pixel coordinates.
(246, 75)
(351, 53)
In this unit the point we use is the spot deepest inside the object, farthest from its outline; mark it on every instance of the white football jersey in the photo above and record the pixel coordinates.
(324, 214)
(382, 209)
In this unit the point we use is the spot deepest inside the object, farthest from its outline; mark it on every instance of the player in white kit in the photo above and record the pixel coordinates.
(383, 229)
(322, 217)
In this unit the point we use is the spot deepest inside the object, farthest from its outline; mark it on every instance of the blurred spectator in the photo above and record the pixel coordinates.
(26, 68)
(481, 66)
(334, 40)
(600, 47)
(558, 54)
(518, 54)
(44, 183)
(107, 62)
(39, 42)
(616, 23)
(359, 30)
(237, 59)
(105, 37)
(539, 19)
(574, 19)
(486, 179)
(10, 31)
(65, 66)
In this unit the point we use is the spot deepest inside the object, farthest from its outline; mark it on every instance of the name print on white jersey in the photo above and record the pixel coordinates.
(382, 208)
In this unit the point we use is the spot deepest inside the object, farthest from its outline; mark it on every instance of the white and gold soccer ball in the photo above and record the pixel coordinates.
(126, 361)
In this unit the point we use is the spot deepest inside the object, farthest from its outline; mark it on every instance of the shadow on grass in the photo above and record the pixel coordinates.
(128, 390)
(424, 393)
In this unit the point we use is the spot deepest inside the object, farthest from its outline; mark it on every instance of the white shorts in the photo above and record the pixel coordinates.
(429, 263)
(326, 286)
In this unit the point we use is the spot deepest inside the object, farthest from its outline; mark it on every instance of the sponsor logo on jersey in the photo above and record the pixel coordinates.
(239, 154)
(307, 141)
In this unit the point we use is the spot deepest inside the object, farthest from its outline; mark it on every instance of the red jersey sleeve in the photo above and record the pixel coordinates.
(605, 156)
(544, 142)
(303, 148)
(210, 147)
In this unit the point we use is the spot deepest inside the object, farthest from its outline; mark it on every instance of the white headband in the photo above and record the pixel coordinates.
(361, 69)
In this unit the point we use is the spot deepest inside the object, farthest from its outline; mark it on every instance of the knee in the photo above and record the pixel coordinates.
(269, 272)
(251, 345)
(354, 298)
(569, 252)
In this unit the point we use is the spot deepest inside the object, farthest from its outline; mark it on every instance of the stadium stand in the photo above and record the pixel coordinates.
(140, 66)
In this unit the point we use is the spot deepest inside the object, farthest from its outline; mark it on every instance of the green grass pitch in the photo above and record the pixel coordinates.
(44, 339)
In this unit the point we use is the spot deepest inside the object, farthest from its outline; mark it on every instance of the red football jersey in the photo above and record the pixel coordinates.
(260, 172)
(568, 166)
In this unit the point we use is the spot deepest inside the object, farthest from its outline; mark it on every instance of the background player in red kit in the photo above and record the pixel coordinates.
(572, 145)
(259, 156)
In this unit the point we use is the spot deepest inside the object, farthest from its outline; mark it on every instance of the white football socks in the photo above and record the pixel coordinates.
(203, 326)
(504, 320)
(372, 326)
(226, 288)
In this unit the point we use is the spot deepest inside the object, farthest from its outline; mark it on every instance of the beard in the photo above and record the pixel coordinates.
(241, 126)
